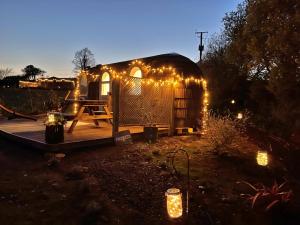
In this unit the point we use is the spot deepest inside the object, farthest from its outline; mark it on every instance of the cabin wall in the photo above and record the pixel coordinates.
(187, 106)
(150, 104)
(143, 104)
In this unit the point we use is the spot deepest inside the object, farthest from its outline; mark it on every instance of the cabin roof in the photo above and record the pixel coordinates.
(183, 65)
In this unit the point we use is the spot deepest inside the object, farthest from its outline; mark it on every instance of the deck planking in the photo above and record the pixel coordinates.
(85, 134)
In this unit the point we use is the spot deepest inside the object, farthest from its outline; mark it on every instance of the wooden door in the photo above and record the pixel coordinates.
(93, 91)
(182, 105)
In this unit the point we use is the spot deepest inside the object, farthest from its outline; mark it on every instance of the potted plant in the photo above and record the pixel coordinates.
(54, 128)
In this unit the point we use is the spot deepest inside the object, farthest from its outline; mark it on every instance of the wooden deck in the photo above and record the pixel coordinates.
(86, 134)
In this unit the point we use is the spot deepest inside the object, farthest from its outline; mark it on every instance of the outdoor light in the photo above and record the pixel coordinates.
(173, 195)
(75, 108)
(51, 118)
(262, 158)
(190, 130)
(174, 203)
(232, 101)
(240, 116)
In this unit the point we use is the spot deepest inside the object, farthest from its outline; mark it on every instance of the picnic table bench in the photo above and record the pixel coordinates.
(92, 114)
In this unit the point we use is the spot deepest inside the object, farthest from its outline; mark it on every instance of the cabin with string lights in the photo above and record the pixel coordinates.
(163, 90)
(118, 102)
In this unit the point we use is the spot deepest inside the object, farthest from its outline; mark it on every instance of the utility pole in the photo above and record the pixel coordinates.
(201, 46)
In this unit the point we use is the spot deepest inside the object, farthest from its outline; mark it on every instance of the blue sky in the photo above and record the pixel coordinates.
(47, 33)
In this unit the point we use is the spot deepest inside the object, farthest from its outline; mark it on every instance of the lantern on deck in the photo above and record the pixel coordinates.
(174, 203)
(51, 118)
(190, 130)
(262, 158)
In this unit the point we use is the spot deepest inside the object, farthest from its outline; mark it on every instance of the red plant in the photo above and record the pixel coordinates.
(273, 195)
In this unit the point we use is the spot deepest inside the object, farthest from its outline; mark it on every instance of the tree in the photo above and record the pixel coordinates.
(225, 81)
(83, 60)
(272, 32)
(30, 72)
(260, 47)
(5, 72)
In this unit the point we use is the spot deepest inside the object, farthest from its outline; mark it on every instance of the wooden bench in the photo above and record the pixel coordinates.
(90, 104)
(105, 115)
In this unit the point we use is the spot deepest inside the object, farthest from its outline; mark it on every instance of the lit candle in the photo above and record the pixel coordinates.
(174, 202)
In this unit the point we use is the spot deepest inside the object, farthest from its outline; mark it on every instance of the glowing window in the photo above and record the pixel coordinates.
(105, 86)
(136, 74)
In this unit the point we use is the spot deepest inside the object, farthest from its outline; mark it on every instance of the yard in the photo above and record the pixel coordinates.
(126, 184)
(232, 114)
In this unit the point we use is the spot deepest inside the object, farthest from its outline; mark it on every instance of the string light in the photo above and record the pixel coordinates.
(205, 105)
(158, 71)
(77, 90)
(174, 203)
(173, 79)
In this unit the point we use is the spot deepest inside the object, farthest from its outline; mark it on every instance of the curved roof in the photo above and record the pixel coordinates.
(183, 65)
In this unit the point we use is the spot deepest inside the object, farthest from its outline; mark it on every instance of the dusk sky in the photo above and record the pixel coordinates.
(48, 33)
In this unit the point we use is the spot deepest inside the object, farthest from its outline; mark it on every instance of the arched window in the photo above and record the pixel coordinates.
(105, 86)
(136, 88)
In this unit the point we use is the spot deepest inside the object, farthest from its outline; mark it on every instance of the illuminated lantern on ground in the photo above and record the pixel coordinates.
(240, 116)
(232, 101)
(262, 158)
(174, 203)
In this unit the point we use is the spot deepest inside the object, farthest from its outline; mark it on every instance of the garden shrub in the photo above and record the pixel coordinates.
(31, 101)
(224, 132)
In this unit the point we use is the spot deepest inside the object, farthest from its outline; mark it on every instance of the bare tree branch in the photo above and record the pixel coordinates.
(83, 59)
(5, 72)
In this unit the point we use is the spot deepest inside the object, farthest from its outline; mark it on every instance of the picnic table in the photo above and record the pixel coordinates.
(92, 114)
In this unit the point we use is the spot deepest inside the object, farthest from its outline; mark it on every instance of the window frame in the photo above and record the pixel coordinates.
(137, 80)
(105, 82)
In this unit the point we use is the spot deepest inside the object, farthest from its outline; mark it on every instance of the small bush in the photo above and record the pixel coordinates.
(224, 132)
(272, 196)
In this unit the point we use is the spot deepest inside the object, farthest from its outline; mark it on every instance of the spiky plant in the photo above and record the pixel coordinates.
(273, 195)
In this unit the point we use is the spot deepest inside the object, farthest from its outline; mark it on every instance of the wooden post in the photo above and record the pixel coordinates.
(115, 105)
